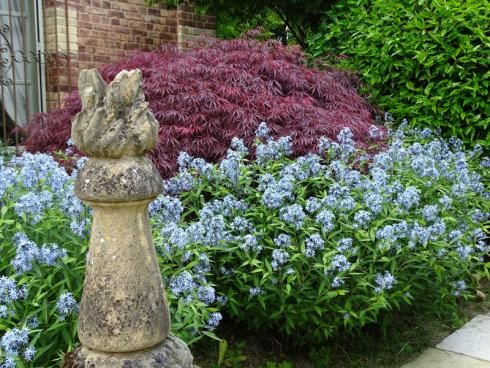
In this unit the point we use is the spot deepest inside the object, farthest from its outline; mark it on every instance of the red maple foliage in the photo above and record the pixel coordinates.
(204, 97)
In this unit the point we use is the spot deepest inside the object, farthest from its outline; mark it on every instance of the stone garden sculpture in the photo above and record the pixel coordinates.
(124, 318)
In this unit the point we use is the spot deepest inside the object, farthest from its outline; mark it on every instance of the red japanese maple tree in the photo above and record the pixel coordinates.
(204, 97)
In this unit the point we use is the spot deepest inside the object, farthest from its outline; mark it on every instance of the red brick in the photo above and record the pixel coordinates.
(115, 14)
(131, 46)
(138, 32)
(154, 11)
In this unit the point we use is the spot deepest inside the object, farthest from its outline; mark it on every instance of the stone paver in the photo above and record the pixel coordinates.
(468, 347)
(434, 358)
(473, 339)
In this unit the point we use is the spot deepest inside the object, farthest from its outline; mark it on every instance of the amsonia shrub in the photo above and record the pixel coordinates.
(336, 240)
(424, 60)
(308, 246)
(43, 245)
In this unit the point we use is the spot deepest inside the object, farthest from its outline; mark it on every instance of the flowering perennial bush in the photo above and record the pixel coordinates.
(311, 246)
(204, 97)
(334, 240)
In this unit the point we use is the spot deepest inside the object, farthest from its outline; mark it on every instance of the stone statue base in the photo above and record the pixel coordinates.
(172, 353)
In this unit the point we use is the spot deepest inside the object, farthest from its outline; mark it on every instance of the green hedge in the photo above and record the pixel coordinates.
(428, 61)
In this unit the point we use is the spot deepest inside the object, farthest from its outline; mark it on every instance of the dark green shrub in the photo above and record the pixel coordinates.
(428, 60)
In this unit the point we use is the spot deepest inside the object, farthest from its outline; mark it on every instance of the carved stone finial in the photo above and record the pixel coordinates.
(115, 124)
(115, 120)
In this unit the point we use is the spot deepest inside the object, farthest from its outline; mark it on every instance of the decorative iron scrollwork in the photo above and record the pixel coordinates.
(6, 82)
(8, 57)
(4, 28)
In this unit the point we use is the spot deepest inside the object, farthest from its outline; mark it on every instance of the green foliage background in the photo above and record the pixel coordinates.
(235, 16)
(426, 60)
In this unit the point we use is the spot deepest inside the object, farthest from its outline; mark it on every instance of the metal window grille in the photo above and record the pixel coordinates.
(25, 59)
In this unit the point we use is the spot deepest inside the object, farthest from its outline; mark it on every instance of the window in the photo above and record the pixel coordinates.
(21, 63)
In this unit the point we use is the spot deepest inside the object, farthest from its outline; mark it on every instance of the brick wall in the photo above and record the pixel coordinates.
(95, 32)
(191, 26)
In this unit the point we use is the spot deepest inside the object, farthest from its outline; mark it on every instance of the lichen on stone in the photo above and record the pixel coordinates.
(115, 120)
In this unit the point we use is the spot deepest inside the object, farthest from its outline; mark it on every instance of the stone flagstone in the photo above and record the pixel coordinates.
(473, 339)
(468, 347)
(434, 358)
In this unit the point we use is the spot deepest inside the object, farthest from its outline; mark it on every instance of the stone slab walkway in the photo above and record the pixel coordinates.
(468, 347)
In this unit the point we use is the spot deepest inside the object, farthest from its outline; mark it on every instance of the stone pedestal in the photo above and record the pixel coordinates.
(124, 319)
(172, 353)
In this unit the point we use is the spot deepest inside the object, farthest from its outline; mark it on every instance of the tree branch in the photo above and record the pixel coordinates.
(293, 31)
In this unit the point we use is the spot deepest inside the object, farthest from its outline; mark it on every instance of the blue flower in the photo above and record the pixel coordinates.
(419, 235)
(27, 252)
(241, 225)
(279, 258)
(384, 282)
(304, 167)
(66, 305)
(347, 204)
(182, 182)
(283, 241)
(9, 362)
(273, 150)
(183, 283)
(326, 146)
(464, 251)
(176, 235)
(339, 263)
(345, 245)
(485, 162)
(374, 202)
(293, 214)
(206, 294)
(445, 201)
(29, 353)
(409, 198)
(277, 192)
(337, 282)
(13, 341)
(4, 311)
(215, 230)
(79, 228)
(249, 242)
(34, 205)
(238, 146)
(262, 131)
(184, 160)
(361, 219)
(313, 204)
(222, 299)
(204, 265)
(214, 319)
(255, 291)
(375, 132)
(313, 244)
(168, 209)
(325, 218)
(430, 212)
(460, 287)
(9, 291)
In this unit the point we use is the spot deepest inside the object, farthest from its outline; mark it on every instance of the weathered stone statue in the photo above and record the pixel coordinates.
(124, 317)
